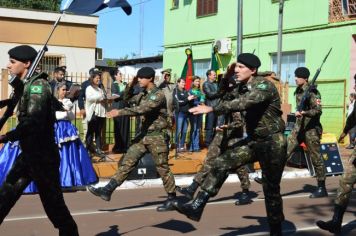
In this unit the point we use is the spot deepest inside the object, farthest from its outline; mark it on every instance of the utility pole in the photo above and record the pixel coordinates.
(280, 30)
(239, 28)
(141, 28)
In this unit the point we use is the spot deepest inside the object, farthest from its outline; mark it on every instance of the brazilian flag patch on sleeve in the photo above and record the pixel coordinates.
(262, 86)
(36, 89)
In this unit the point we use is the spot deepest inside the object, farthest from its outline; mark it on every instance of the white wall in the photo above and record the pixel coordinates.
(77, 59)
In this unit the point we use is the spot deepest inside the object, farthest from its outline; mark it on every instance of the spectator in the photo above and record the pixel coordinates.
(196, 120)
(210, 89)
(121, 123)
(58, 77)
(352, 132)
(181, 103)
(95, 114)
(81, 100)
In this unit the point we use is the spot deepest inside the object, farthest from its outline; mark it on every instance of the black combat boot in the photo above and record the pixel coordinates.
(334, 225)
(321, 190)
(168, 204)
(106, 191)
(275, 229)
(195, 209)
(244, 198)
(190, 190)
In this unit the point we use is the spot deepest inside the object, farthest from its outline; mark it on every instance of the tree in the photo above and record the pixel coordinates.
(47, 5)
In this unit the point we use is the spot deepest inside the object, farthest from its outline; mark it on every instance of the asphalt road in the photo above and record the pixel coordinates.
(133, 212)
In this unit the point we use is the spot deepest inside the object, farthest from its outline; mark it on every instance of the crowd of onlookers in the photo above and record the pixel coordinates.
(104, 90)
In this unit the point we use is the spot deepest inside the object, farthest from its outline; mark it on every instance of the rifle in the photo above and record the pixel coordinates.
(312, 85)
(18, 85)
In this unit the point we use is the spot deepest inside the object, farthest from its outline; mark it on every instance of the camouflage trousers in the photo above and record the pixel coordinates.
(312, 140)
(347, 182)
(157, 146)
(271, 154)
(213, 152)
(46, 178)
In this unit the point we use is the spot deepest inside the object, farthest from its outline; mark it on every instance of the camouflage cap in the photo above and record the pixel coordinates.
(166, 71)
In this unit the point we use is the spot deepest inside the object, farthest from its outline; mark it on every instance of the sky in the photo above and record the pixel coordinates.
(119, 35)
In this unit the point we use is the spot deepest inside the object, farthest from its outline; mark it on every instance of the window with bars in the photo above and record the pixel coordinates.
(49, 62)
(207, 7)
(349, 7)
(290, 62)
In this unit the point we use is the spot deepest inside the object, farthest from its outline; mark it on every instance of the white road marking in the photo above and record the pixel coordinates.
(106, 211)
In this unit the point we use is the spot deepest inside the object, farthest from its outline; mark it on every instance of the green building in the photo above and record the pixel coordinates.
(310, 29)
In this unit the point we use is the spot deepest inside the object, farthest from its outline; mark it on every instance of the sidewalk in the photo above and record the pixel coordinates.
(185, 165)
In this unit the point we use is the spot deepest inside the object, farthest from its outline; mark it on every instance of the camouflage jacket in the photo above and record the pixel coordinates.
(151, 106)
(260, 105)
(36, 115)
(312, 109)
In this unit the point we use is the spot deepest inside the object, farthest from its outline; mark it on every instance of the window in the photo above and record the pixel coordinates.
(175, 4)
(200, 67)
(49, 62)
(349, 7)
(207, 7)
(290, 62)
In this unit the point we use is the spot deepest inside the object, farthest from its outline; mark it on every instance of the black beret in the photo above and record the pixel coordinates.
(23, 53)
(302, 72)
(94, 70)
(250, 60)
(146, 72)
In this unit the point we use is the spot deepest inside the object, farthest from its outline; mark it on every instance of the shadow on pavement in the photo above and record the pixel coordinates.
(252, 195)
(176, 225)
(307, 188)
(113, 231)
(260, 227)
(145, 204)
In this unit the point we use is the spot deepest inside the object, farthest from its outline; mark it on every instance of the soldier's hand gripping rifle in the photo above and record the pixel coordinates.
(17, 84)
(307, 92)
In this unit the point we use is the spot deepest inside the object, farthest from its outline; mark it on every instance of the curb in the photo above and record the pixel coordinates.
(186, 180)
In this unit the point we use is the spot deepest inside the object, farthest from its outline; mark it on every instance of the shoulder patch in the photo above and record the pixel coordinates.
(262, 86)
(36, 89)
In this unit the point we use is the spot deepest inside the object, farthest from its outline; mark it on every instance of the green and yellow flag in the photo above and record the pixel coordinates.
(215, 61)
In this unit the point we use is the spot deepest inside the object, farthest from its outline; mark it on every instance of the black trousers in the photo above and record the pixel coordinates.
(42, 168)
(95, 125)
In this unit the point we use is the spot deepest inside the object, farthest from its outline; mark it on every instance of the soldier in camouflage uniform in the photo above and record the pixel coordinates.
(39, 160)
(151, 106)
(259, 103)
(232, 132)
(308, 129)
(347, 182)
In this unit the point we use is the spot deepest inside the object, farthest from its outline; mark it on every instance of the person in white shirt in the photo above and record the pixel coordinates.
(352, 132)
(95, 114)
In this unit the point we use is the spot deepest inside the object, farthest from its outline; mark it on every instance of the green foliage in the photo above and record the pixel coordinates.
(47, 5)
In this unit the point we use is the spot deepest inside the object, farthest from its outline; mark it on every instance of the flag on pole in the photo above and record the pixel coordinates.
(216, 62)
(188, 70)
(88, 7)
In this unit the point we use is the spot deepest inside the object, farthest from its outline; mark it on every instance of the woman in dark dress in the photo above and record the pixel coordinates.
(121, 123)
